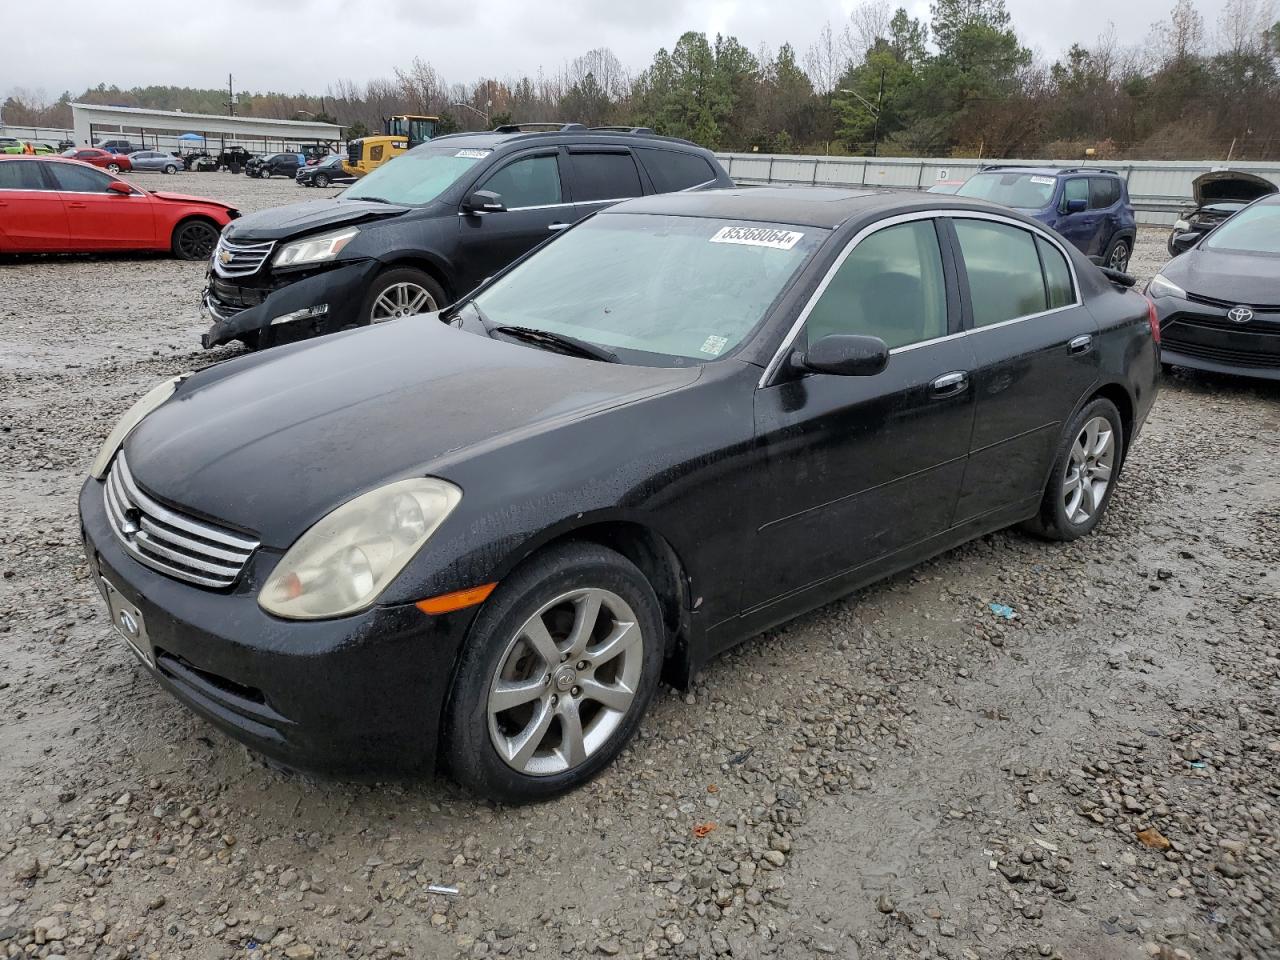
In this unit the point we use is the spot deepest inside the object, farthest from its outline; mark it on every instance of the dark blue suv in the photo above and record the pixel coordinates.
(1088, 206)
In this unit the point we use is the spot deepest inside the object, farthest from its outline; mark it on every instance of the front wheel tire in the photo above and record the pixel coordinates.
(559, 667)
(1084, 476)
(401, 292)
(194, 240)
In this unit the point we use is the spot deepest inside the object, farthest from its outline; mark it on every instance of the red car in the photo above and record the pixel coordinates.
(59, 205)
(112, 162)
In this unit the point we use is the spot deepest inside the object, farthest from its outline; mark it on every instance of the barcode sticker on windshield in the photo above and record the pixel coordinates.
(1046, 180)
(472, 154)
(758, 237)
(714, 345)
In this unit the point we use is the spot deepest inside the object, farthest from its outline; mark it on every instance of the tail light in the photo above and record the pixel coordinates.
(1153, 320)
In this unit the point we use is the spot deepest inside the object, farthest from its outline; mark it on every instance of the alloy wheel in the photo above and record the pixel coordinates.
(1089, 470)
(401, 300)
(197, 240)
(565, 682)
(1119, 257)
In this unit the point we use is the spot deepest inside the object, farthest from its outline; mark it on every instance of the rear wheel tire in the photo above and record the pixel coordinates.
(113, 168)
(1118, 255)
(194, 240)
(401, 292)
(1084, 475)
(320, 180)
(558, 669)
(170, 169)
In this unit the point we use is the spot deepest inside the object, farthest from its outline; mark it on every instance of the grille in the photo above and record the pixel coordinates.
(240, 259)
(175, 544)
(1228, 304)
(354, 149)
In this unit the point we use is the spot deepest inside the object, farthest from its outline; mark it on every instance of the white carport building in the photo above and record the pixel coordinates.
(161, 128)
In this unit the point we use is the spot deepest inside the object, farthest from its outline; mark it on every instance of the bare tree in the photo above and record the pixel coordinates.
(868, 22)
(825, 61)
(1243, 25)
(1182, 35)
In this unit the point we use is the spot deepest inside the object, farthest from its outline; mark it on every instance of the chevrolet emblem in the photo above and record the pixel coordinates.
(224, 257)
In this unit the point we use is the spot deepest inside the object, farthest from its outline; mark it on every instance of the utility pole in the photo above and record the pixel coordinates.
(875, 134)
(231, 98)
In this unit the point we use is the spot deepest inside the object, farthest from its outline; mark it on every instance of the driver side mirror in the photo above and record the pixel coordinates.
(120, 187)
(1182, 242)
(484, 201)
(843, 355)
(1075, 205)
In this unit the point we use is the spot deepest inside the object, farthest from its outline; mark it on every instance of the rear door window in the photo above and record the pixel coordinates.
(21, 175)
(671, 170)
(527, 182)
(1103, 192)
(1005, 281)
(1057, 276)
(605, 176)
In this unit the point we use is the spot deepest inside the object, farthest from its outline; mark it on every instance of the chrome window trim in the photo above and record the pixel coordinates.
(772, 368)
(540, 206)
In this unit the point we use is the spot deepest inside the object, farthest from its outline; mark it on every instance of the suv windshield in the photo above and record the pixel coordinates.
(658, 290)
(1254, 230)
(418, 176)
(1031, 191)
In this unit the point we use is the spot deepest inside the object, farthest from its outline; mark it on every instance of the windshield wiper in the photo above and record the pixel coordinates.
(374, 199)
(561, 341)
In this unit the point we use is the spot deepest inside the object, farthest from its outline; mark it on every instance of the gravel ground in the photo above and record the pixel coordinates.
(899, 774)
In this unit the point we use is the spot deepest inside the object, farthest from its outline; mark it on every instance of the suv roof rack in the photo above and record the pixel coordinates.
(555, 126)
(1046, 166)
(646, 131)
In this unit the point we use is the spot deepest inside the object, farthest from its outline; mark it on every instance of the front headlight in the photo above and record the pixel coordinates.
(1181, 224)
(317, 249)
(1161, 287)
(124, 426)
(342, 563)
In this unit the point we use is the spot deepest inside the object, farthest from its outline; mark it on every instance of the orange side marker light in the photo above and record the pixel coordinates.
(458, 600)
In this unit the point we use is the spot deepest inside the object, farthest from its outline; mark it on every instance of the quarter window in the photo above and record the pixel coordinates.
(75, 179)
(531, 182)
(20, 175)
(890, 286)
(1004, 271)
(1057, 276)
(671, 171)
(605, 176)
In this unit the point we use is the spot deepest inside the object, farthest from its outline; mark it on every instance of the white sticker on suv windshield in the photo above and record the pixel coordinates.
(758, 237)
(714, 345)
(1047, 180)
(472, 154)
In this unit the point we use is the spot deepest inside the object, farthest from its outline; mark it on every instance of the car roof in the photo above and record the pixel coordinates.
(807, 206)
(491, 140)
(1045, 171)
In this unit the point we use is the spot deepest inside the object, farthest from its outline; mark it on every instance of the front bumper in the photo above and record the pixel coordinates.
(240, 309)
(356, 696)
(1201, 336)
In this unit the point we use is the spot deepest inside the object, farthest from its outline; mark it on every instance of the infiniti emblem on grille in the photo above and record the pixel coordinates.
(1239, 314)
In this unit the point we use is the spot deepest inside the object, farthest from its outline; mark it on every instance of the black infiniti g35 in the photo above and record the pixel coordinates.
(481, 537)
(1219, 303)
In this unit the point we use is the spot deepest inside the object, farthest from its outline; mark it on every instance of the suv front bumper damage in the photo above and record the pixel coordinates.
(281, 315)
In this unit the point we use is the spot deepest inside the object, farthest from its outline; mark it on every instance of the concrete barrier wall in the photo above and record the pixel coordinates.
(1159, 189)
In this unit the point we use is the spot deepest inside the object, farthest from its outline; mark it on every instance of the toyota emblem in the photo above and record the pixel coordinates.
(1239, 314)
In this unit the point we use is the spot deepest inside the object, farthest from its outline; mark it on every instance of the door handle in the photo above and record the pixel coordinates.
(77, 206)
(560, 226)
(1081, 344)
(950, 384)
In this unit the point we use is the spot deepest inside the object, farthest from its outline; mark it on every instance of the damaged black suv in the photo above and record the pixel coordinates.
(427, 227)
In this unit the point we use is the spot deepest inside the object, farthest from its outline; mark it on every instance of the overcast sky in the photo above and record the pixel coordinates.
(297, 45)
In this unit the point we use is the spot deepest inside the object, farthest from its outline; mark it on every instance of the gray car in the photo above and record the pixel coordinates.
(155, 160)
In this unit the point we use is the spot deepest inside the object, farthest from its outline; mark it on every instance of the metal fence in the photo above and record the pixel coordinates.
(1158, 189)
(168, 143)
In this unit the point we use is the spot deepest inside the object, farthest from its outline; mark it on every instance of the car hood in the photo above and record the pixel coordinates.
(312, 215)
(187, 198)
(272, 442)
(1230, 185)
(1233, 277)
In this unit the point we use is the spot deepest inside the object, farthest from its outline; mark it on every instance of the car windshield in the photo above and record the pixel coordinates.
(1030, 191)
(418, 176)
(1253, 230)
(657, 290)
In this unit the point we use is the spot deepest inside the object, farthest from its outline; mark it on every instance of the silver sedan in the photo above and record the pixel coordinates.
(154, 160)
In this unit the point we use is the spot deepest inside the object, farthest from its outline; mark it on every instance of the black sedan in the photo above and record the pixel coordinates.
(1219, 303)
(1218, 195)
(328, 171)
(482, 536)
